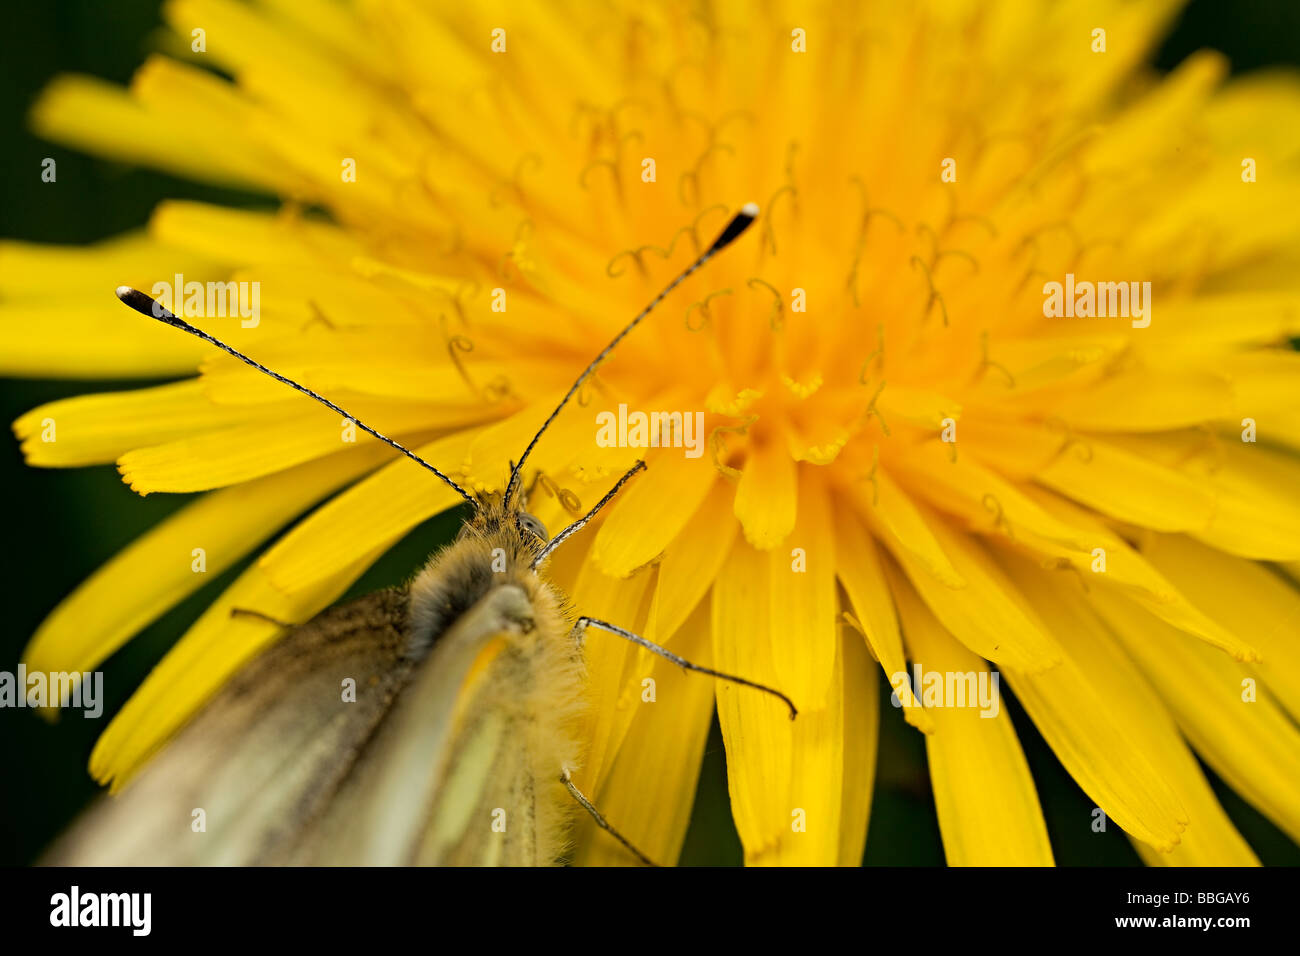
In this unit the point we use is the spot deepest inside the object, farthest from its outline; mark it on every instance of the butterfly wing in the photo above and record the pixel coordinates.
(460, 772)
(264, 756)
(447, 759)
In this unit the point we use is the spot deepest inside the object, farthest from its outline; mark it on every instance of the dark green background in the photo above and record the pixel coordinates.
(61, 524)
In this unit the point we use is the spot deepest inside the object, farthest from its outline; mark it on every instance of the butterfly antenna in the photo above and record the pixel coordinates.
(739, 223)
(147, 306)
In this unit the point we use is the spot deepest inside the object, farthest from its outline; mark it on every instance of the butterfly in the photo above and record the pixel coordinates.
(458, 746)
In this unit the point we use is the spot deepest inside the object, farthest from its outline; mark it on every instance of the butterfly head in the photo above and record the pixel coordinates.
(494, 518)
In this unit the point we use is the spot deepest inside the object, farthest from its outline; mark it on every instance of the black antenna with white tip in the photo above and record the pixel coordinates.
(147, 306)
(734, 229)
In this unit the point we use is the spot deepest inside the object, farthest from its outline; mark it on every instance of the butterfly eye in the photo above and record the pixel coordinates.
(532, 526)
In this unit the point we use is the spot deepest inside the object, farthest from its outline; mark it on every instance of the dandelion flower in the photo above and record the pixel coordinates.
(904, 462)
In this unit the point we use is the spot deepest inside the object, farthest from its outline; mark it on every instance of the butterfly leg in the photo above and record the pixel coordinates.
(258, 615)
(584, 622)
(600, 820)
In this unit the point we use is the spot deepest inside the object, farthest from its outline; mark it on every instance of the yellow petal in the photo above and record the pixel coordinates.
(1128, 485)
(415, 365)
(906, 528)
(861, 735)
(104, 119)
(381, 508)
(1212, 322)
(648, 793)
(614, 666)
(917, 406)
(1091, 744)
(1250, 744)
(1258, 514)
(988, 809)
(138, 347)
(802, 602)
(650, 512)
(1125, 567)
(48, 273)
(858, 566)
(1247, 599)
(1047, 360)
(567, 443)
(209, 115)
(202, 661)
(98, 428)
(987, 614)
(980, 495)
(333, 28)
(1210, 838)
(755, 728)
(156, 571)
(766, 495)
(691, 563)
(1262, 379)
(243, 236)
(786, 778)
(1145, 400)
(814, 820)
(229, 455)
